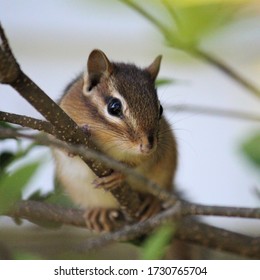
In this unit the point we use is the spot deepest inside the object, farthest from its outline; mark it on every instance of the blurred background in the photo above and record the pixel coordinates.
(52, 40)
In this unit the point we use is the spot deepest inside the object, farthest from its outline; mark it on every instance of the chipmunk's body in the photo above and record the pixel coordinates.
(119, 105)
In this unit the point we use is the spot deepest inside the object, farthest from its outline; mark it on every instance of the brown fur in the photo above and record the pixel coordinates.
(126, 138)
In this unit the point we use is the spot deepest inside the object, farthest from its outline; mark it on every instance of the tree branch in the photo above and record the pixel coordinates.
(188, 229)
(218, 239)
(191, 232)
(146, 15)
(9, 68)
(65, 128)
(221, 211)
(36, 211)
(81, 150)
(27, 122)
(47, 127)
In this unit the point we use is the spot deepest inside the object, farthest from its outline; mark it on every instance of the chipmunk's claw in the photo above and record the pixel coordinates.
(149, 207)
(109, 182)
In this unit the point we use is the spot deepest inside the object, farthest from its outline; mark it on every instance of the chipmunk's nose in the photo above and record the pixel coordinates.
(147, 144)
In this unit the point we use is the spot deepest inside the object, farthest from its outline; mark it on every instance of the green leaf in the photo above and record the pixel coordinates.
(60, 198)
(155, 246)
(165, 81)
(57, 197)
(201, 20)
(251, 149)
(185, 24)
(6, 125)
(6, 158)
(11, 185)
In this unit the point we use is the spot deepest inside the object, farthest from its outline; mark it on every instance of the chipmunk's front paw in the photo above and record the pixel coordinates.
(149, 207)
(103, 219)
(114, 180)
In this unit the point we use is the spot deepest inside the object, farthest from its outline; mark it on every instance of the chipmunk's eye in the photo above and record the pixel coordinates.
(160, 111)
(114, 107)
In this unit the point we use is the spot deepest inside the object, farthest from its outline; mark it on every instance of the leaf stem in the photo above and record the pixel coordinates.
(227, 70)
(193, 49)
(145, 14)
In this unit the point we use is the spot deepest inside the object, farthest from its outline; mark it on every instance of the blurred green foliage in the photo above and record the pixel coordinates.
(184, 24)
(251, 149)
(13, 183)
(155, 246)
(57, 196)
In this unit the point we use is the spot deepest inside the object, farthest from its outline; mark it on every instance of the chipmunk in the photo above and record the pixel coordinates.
(118, 103)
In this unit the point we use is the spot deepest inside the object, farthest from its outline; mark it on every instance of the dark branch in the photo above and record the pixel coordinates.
(222, 211)
(188, 229)
(65, 128)
(95, 155)
(216, 238)
(9, 68)
(27, 122)
(187, 207)
(36, 211)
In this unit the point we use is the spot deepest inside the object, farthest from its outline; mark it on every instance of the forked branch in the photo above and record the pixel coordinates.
(74, 139)
(188, 230)
(65, 128)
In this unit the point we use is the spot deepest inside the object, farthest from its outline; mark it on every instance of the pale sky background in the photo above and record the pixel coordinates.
(52, 40)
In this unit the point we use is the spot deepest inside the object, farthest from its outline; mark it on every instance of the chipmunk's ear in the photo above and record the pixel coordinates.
(154, 68)
(98, 65)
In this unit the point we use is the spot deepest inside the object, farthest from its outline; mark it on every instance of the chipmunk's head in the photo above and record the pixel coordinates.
(122, 106)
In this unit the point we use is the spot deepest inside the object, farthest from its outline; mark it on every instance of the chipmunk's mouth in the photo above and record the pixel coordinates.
(131, 151)
(147, 144)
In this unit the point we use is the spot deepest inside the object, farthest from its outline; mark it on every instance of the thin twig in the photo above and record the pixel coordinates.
(199, 233)
(41, 139)
(27, 122)
(187, 208)
(135, 230)
(213, 111)
(176, 212)
(188, 229)
(145, 14)
(171, 10)
(221, 211)
(37, 211)
(227, 70)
